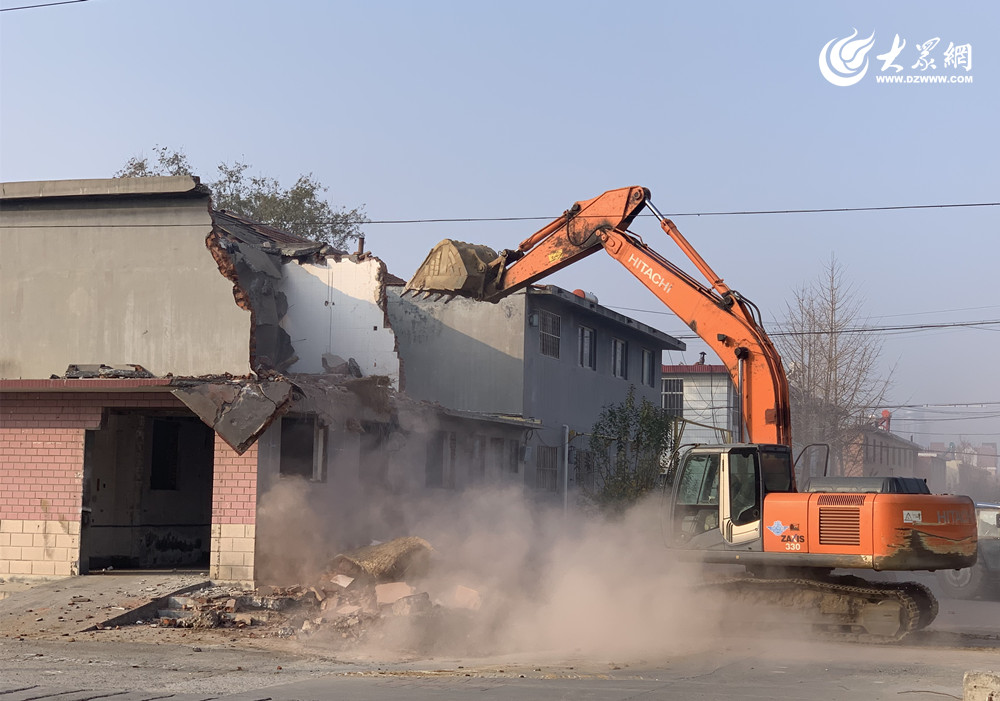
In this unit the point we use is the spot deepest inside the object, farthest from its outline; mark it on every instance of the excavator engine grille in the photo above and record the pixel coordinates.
(839, 526)
(841, 499)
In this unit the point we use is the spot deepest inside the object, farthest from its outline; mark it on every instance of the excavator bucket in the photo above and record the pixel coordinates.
(454, 268)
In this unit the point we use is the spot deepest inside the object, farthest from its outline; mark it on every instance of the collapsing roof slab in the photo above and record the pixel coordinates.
(237, 411)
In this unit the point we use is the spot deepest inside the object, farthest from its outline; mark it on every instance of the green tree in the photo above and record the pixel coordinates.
(628, 448)
(300, 209)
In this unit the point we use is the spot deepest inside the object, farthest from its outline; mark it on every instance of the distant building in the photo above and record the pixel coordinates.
(705, 398)
(879, 453)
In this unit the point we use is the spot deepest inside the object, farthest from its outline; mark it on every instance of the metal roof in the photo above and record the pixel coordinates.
(254, 233)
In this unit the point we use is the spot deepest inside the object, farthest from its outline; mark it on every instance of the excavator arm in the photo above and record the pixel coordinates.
(725, 320)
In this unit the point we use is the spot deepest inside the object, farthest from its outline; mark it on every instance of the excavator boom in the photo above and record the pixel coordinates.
(723, 318)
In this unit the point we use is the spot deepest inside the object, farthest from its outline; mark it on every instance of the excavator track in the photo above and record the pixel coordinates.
(842, 608)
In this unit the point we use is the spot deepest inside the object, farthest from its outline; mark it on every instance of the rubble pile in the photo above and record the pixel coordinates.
(358, 598)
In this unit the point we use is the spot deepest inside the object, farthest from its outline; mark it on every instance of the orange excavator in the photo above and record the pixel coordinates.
(738, 503)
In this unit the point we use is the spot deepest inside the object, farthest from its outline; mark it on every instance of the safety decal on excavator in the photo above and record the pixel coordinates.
(777, 528)
(556, 255)
(912, 516)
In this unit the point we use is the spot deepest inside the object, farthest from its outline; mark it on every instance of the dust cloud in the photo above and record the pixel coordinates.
(291, 548)
(543, 580)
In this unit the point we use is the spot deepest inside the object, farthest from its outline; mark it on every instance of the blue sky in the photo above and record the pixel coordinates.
(494, 109)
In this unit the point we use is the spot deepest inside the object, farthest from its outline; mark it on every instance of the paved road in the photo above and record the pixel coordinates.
(744, 669)
(66, 666)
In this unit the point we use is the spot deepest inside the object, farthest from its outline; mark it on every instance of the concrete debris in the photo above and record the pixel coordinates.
(981, 686)
(335, 365)
(108, 371)
(390, 593)
(353, 601)
(412, 605)
(239, 411)
(342, 580)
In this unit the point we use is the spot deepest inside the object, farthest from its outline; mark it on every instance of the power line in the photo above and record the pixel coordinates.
(32, 7)
(962, 405)
(858, 329)
(466, 220)
(824, 210)
(910, 327)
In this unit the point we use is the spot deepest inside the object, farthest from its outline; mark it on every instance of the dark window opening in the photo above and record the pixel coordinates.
(163, 466)
(301, 447)
(648, 368)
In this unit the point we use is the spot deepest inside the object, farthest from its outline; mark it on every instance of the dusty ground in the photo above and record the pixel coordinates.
(48, 637)
(108, 608)
(83, 610)
(73, 611)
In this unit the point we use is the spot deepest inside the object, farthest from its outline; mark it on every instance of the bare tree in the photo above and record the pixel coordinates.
(300, 209)
(832, 365)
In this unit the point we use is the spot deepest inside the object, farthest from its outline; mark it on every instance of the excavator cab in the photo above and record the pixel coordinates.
(718, 493)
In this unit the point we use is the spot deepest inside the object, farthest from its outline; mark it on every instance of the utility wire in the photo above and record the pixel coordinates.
(465, 220)
(824, 210)
(858, 329)
(32, 7)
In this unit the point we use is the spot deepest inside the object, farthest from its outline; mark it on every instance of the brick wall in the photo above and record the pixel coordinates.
(234, 514)
(41, 474)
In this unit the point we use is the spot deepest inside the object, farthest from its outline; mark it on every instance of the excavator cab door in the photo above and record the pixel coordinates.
(695, 510)
(741, 499)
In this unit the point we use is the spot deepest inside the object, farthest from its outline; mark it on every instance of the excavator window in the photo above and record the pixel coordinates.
(744, 487)
(697, 507)
(776, 470)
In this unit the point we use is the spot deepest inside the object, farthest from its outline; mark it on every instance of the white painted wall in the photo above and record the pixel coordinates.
(336, 308)
(708, 399)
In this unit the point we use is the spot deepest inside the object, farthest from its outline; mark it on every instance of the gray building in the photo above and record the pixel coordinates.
(544, 354)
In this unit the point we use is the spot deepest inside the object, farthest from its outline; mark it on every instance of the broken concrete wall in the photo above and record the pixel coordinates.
(238, 410)
(256, 277)
(464, 354)
(115, 272)
(337, 307)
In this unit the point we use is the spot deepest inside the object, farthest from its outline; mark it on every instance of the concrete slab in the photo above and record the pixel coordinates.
(62, 607)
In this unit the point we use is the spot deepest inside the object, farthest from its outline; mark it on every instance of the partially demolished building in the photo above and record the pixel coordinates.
(162, 365)
(166, 369)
